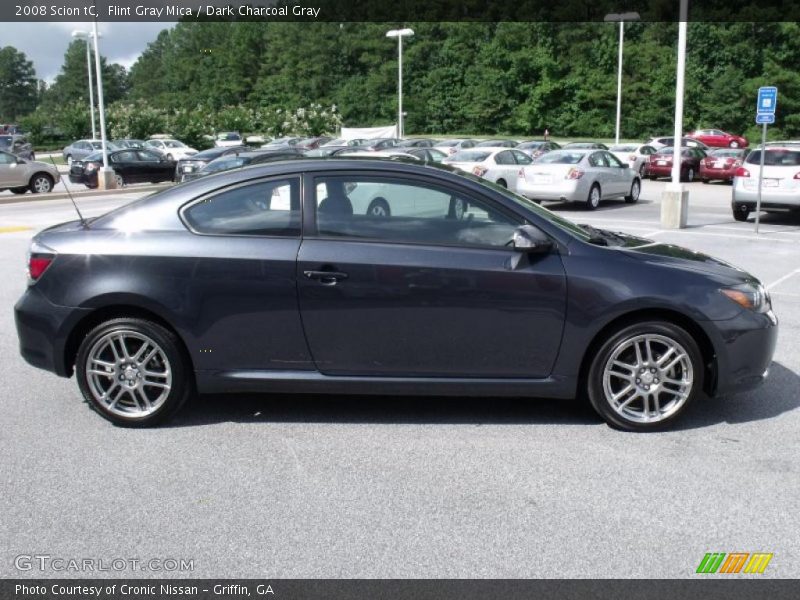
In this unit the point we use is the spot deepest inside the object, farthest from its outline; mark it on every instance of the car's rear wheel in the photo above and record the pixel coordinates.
(119, 180)
(689, 175)
(593, 201)
(133, 372)
(645, 375)
(636, 188)
(379, 208)
(41, 183)
(740, 213)
(502, 183)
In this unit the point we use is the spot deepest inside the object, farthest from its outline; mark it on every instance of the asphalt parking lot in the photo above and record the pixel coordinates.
(315, 486)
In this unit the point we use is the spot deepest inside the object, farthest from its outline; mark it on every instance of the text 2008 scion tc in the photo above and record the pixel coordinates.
(367, 276)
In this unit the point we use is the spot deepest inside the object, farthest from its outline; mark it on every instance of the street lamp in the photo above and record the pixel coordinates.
(105, 176)
(86, 35)
(621, 17)
(399, 34)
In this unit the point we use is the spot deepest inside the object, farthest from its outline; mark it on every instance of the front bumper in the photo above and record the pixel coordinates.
(744, 347)
(770, 197)
(43, 329)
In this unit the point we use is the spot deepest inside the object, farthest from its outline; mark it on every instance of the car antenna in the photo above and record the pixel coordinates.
(84, 223)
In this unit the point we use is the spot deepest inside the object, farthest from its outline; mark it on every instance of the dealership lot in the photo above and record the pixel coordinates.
(317, 486)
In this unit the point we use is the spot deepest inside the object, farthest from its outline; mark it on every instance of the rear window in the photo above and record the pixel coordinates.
(560, 158)
(775, 158)
(5, 141)
(623, 148)
(469, 156)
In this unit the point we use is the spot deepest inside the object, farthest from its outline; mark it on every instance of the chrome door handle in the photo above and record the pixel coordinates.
(326, 277)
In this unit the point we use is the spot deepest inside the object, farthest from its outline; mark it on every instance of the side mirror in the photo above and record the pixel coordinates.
(530, 240)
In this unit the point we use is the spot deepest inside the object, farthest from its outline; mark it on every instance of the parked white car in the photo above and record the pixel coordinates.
(172, 149)
(780, 188)
(498, 165)
(636, 156)
(580, 175)
(228, 139)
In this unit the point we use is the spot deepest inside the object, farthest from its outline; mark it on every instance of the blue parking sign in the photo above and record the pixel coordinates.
(767, 100)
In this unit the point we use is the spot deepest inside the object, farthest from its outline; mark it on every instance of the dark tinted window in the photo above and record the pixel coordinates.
(124, 157)
(776, 158)
(521, 157)
(505, 158)
(405, 211)
(148, 156)
(267, 208)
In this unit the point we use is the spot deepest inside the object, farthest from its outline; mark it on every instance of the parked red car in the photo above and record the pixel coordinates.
(721, 164)
(717, 138)
(660, 163)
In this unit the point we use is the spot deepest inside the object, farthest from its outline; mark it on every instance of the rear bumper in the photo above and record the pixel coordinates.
(744, 348)
(716, 174)
(43, 329)
(769, 198)
(564, 191)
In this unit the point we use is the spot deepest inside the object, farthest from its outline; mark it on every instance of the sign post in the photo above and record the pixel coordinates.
(765, 113)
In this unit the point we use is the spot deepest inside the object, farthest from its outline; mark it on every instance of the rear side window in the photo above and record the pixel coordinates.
(776, 158)
(268, 208)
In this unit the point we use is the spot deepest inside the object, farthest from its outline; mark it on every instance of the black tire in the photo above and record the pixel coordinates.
(664, 330)
(19, 190)
(119, 180)
(689, 175)
(636, 189)
(379, 208)
(704, 180)
(593, 199)
(182, 386)
(502, 183)
(740, 213)
(41, 183)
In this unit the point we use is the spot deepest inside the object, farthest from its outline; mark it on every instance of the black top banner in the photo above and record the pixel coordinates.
(396, 10)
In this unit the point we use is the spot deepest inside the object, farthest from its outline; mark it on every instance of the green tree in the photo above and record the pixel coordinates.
(18, 86)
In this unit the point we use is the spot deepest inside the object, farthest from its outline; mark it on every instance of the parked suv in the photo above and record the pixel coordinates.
(780, 189)
(20, 175)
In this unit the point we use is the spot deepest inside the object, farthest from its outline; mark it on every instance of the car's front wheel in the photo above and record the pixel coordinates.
(636, 188)
(133, 372)
(41, 183)
(645, 375)
(740, 213)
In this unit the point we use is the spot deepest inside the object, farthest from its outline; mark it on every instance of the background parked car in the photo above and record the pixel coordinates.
(376, 144)
(417, 143)
(282, 142)
(18, 145)
(20, 175)
(132, 165)
(312, 143)
(170, 148)
(228, 139)
(498, 165)
(128, 143)
(579, 175)
(660, 164)
(635, 156)
(344, 142)
(325, 151)
(497, 144)
(242, 159)
(192, 164)
(721, 164)
(585, 146)
(716, 138)
(535, 148)
(425, 155)
(453, 146)
(664, 141)
(780, 190)
(83, 148)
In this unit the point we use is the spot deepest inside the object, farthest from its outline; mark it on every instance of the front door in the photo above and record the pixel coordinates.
(430, 291)
(11, 174)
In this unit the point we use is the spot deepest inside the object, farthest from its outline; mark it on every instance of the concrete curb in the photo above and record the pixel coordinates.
(78, 195)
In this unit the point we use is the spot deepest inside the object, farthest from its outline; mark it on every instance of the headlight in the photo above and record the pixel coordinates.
(750, 296)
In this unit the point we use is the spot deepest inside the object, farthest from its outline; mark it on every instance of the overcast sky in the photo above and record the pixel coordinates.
(46, 43)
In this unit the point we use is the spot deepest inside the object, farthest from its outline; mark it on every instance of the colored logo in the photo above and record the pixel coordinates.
(735, 562)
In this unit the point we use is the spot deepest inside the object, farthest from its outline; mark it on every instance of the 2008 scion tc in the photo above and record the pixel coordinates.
(367, 276)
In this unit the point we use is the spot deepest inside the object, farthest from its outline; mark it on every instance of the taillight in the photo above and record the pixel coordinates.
(521, 174)
(479, 171)
(742, 172)
(574, 173)
(797, 176)
(452, 150)
(632, 158)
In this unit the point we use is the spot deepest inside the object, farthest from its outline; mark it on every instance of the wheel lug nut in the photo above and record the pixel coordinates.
(652, 370)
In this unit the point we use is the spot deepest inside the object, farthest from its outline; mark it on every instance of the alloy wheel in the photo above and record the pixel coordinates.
(42, 185)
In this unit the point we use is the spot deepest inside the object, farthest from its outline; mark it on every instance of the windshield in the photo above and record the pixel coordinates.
(5, 141)
(560, 157)
(776, 158)
(224, 164)
(623, 148)
(174, 144)
(469, 156)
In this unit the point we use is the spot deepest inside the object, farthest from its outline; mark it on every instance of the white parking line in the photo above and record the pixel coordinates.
(782, 279)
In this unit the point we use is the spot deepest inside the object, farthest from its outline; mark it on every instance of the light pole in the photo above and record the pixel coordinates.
(399, 34)
(85, 35)
(675, 198)
(105, 176)
(621, 17)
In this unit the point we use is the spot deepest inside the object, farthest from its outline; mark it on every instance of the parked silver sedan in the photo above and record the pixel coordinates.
(579, 175)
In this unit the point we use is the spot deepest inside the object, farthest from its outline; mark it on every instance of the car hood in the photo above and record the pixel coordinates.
(683, 258)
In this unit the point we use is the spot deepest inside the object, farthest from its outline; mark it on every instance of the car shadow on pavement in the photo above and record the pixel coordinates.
(777, 395)
(401, 410)
(580, 207)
